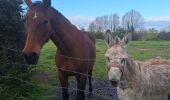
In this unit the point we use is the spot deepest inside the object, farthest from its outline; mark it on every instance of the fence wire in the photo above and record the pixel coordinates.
(97, 95)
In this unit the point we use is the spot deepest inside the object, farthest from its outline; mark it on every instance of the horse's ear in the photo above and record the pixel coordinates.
(47, 3)
(127, 38)
(28, 2)
(108, 38)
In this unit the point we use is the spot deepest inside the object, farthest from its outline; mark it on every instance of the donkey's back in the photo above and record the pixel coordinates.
(155, 75)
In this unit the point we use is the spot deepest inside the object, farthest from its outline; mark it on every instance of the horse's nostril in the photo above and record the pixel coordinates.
(33, 54)
(24, 55)
(31, 58)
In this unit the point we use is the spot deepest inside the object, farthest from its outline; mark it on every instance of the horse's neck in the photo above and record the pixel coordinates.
(65, 34)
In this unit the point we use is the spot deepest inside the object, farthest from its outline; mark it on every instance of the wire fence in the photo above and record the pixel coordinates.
(97, 93)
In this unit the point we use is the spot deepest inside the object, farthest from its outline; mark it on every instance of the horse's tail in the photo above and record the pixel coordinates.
(92, 38)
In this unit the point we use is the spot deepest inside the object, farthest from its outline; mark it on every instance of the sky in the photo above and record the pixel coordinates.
(82, 12)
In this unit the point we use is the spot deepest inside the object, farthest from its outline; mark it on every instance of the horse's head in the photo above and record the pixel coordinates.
(37, 27)
(116, 55)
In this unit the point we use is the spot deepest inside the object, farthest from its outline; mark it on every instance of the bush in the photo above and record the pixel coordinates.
(98, 35)
(13, 74)
(120, 32)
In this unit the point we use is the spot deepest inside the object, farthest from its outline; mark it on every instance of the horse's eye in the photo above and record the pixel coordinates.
(45, 22)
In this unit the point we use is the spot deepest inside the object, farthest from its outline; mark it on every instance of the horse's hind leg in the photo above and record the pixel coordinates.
(81, 82)
(90, 82)
(64, 83)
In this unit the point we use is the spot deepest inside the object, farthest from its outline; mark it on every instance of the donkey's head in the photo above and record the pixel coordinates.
(116, 55)
(37, 27)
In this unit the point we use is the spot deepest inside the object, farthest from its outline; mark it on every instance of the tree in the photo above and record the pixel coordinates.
(103, 23)
(132, 20)
(92, 27)
(114, 22)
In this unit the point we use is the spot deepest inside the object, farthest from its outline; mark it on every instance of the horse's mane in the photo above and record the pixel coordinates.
(37, 3)
(68, 22)
(56, 12)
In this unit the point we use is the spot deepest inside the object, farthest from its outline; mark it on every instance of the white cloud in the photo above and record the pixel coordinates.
(81, 21)
(157, 18)
(158, 22)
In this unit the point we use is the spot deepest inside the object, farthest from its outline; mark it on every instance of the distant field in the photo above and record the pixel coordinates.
(143, 50)
(140, 50)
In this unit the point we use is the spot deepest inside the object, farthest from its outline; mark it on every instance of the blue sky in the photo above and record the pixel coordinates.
(95, 8)
(100, 7)
(84, 11)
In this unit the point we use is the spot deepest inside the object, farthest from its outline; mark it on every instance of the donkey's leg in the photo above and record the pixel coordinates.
(81, 87)
(168, 96)
(90, 82)
(64, 83)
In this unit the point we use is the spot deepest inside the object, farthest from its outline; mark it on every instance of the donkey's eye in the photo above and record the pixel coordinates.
(108, 59)
(45, 22)
(122, 61)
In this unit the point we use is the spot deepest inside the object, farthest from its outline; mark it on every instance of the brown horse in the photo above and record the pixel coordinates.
(76, 49)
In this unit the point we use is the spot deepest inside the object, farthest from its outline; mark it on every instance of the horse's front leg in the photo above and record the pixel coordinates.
(81, 82)
(64, 83)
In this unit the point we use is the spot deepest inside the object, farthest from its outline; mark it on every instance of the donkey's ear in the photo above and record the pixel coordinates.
(117, 40)
(127, 38)
(47, 3)
(28, 2)
(108, 38)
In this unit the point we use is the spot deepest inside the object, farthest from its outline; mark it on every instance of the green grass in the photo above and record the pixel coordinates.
(140, 50)
(143, 50)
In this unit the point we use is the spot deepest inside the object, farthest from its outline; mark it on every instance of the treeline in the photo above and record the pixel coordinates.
(153, 34)
(143, 35)
(130, 21)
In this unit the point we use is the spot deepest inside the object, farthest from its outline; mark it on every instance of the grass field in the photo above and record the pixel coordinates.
(46, 74)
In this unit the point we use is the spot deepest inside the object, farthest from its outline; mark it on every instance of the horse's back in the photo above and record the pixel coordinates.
(91, 47)
(92, 38)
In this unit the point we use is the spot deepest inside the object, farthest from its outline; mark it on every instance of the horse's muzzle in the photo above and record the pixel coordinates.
(32, 58)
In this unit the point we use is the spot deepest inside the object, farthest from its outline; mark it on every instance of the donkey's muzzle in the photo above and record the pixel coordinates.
(31, 58)
(114, 83)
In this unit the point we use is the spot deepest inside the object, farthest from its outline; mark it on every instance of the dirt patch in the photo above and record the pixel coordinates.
(102, 90)
(146, 49)
(163, 51)
(167, 50)
(40, 76)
